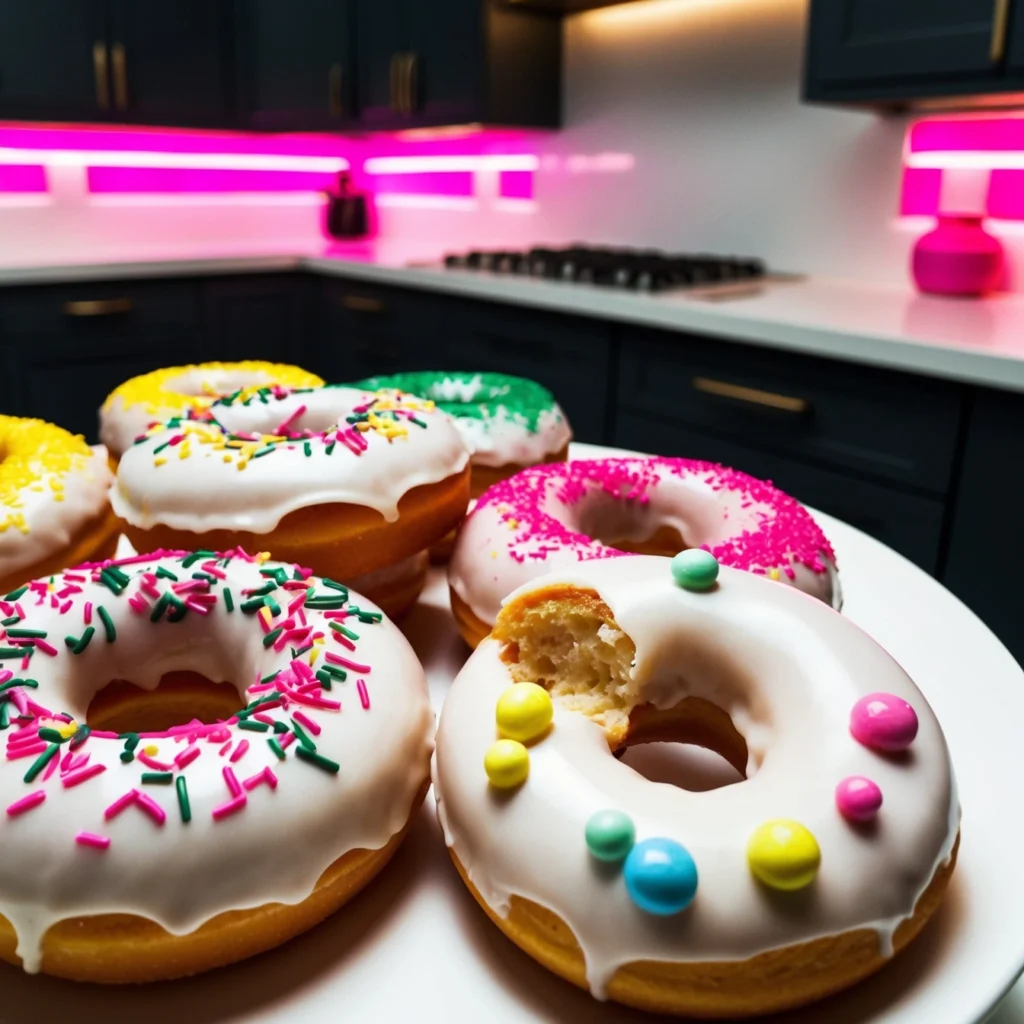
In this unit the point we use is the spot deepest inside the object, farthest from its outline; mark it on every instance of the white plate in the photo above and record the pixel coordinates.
(416, 947)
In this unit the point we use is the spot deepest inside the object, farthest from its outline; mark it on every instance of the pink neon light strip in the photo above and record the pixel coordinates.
(178, 179)
(989, 134)
(459, 183)
(515, 184)
(22, 178)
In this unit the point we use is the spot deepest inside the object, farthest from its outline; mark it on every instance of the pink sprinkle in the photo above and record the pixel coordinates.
(46, 648)
(25, 661)
(187, 586)
(298, 602)
(225, 748)
(260, 717)
(66, 607)
(68, 591)
(25, 750)
(318, 702)
(19, 700)
(51, 767)
(26, 803)
(119, 804)
(337, 659)
(364, 697)
(138, 604)
(283, 426)
(19, 610)
(87, 613)
(218, 735)
(235, 804)
(5, 675)
(295, 585)
(266, 776)
(307, 722)
(286, 740)
(152, 762)
(300, 668)
(150, 806)
(149, 586)
(193, 605)
(93, 840)
(344, 641)
(74, 577)
(240, 751)
(65, 763)
(211, 568)
(187, 756)
(78, 761)
(231, 780)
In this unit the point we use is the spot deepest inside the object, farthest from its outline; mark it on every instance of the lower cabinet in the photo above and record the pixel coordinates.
(985, 562)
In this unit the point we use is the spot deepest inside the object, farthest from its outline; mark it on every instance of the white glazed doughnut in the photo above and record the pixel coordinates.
(549, 517)
(178, 825)
(158, 396)
(822, 722)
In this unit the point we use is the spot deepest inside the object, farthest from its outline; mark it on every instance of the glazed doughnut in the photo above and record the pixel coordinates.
(789, 885)
(549, 517)
(508, 423)
(345, 481)
(158, 396)
(53, 501)
(142, 844)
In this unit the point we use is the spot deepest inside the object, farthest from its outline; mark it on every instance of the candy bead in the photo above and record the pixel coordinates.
(783, 855)
(507, 763)
(660, 876)
(695, 569)
(610, 835)
(883, 721)
(524, 712)
(858, 798)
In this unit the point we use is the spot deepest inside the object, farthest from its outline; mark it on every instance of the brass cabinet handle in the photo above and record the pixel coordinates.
(1000, 21)
(752, 396)
(118, 59)
(98, 307)
(362, 304)
(99, 69)
(334, 103)
(411, 83)
(394, 90)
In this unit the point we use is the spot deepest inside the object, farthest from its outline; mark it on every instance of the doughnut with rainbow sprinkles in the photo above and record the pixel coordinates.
(553, 516)
(826, 859)
(163, 824)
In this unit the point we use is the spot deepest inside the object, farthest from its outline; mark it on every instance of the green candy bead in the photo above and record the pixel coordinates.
(610, 835)
(695, 569)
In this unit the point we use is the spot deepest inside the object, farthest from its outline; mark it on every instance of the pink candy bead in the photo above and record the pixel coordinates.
(858, 798)
(883, 721)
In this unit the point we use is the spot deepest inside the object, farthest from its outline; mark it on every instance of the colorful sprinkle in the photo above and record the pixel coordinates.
(507, 763)
(858, 798)
(883, 722)
(610, 835)
(695, 569)
(783, 855)
(524, 712)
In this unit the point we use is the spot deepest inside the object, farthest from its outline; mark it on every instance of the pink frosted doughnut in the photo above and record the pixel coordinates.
(551, 516)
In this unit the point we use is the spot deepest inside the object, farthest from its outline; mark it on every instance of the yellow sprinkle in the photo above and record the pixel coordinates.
(159, 461)
(66, 729)
(227, 458)
(773, 574)
(264, 614)
(241, 464)
(151, 751)
(262, 557)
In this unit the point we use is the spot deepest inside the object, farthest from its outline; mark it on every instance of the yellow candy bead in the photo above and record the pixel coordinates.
(524, 712)
(507, 763)
(783, 855)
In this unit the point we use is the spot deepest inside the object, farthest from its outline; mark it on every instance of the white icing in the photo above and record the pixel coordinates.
(202, 492)
(121, 422)
(788, 670)
(272, 850)
(53, 524)
(486, 566)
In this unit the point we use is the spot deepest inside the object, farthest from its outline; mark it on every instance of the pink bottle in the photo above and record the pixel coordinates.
(958, 257)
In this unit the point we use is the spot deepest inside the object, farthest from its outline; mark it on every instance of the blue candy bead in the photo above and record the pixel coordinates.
(695, 569)
(660, 876)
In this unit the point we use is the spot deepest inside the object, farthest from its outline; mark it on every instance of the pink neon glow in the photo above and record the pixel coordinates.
(459, 162)
(180, 179)
(920, 193)
(515, 185)
(22, 178)
(981, 134)
(457, 183)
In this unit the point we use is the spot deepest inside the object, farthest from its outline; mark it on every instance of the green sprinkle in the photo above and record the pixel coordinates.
(183, 805)
(108, 624)
(27, 634)
(83, 641)
(127, 756)
(330, 447)
(267, 587)
(275, 608)
(165, 574)
(189, 560)
(265, 698)
(263, 451)
(110, 583)
(158, 609)
(335, 586)
(244, 723)
(13, 652)
(325, 603)
(302, 650)
(280, 727)
(131, 739)
(160, 447)
(51, 735)
(12, 683)
(419, 423)
(80, 737)
(280, 575)
(118, 574)
(252, 605)
(15, 594)
(5, 714)
(276, 748)
(157, 778)
(229, 601)
(10, 621)
(306, 449)
(272, 636)
(212, 580)
(303, 737)
(321, 762)
(324, 678)
(347, 632)
(271, 677)
(41, 761)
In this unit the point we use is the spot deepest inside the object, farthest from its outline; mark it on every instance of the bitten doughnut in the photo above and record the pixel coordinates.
(54, 509)
(550, 517)
(158, 396)
(154, 830)
(349, 483)
(799, 880)
(508, 423)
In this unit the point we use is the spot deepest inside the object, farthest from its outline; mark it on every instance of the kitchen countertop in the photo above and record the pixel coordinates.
(977, 341)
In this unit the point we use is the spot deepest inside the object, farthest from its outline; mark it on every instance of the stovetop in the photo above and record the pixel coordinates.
(643, 270)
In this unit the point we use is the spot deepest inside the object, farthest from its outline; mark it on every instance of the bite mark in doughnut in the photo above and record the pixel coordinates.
(148, 850)
(749, 899)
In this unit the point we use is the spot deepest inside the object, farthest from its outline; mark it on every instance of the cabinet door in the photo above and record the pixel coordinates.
(444, 69)
(47, 67)
(295, 62)
(873, 40)
(381, 35)
(985, 562)
(168, 61)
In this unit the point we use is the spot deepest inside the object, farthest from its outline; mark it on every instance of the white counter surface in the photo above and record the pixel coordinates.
(978, 341)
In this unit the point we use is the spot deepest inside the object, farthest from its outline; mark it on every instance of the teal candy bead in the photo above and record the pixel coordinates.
(610, 835)
(660, 876)
(695, 569)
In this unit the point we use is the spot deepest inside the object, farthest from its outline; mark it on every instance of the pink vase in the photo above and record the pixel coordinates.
(958, 257)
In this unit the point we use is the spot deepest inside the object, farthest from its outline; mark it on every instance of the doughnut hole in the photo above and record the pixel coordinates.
(180, 698)
(567, 640)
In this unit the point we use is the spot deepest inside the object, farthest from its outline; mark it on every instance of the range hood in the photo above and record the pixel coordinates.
(564, 6)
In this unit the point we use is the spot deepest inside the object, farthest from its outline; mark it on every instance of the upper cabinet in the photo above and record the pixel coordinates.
(914, 51)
